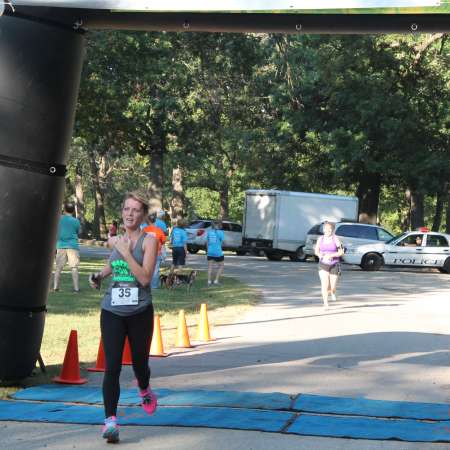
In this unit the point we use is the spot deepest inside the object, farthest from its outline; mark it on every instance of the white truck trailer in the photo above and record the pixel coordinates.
(277, 222)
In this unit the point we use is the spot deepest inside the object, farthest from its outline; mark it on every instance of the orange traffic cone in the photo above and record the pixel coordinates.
(126, 355)
(203, 326)
(100, 364)
(157, 347)
(182, 332)
(70, 373)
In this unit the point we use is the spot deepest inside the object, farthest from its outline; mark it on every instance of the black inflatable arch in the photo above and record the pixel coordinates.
(41, 52)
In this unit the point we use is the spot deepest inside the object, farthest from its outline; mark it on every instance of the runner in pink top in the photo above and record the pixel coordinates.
(329, 250)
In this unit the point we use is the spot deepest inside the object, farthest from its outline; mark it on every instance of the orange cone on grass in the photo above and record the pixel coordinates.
(203, 333)
(100, 364)
(70, 373)
(157, 347)
(126, 355)
(183, 340)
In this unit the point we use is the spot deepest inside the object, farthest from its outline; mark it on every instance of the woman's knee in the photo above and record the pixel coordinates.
(112, 373)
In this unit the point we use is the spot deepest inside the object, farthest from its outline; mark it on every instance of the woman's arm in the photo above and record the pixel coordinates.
(185, 244)
(95, 279)
(340, 248)
(143, 273)
(112, 241)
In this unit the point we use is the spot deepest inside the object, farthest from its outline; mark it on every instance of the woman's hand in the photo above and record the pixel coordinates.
(95, 280)
(326, 258)
(123, 245)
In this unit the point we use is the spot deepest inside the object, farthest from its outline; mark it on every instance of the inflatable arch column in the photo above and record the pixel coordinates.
(40, 68)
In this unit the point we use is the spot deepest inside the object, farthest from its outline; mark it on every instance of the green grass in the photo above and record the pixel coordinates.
(68, 310)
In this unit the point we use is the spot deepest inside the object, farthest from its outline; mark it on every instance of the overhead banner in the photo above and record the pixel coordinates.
(253, 6)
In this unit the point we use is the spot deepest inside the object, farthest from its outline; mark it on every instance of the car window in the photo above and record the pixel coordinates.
(316, 229)
(384, 235)
(396, 238)
(412, 240)
(357, 231)
(236, 227)
(434, 240)
(226, 226)
(199, 224)
(346, 230)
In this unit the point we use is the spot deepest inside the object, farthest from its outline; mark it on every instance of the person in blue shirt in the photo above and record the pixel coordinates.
(178, 239)
(67, 247)
(159, 222)
(214, 252)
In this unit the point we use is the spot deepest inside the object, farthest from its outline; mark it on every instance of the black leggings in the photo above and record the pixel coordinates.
(139, 329)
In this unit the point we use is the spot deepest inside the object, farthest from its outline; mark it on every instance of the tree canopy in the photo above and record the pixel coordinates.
(197, 118)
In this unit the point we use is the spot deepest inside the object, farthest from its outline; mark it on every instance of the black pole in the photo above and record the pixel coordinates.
(243, 22)
(40, 67)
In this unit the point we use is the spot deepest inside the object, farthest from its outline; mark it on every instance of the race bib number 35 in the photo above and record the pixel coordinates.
(121, 296)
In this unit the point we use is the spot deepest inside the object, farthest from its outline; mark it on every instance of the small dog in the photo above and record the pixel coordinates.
(166, 280)
(173, 280)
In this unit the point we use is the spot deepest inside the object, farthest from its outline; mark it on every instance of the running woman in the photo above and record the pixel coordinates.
(329, 250)
(214, 252)
(127, 309)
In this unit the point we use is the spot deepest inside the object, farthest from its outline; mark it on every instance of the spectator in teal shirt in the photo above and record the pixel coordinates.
(214, 252)
(160, 221)
(67, 247)
(178, 239)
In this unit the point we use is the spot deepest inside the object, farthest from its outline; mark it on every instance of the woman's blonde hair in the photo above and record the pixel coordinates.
(139, 196)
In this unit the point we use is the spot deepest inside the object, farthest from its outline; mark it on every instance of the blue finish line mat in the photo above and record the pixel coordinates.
(166, 397)
(238, 419)
(304, 414)
(306, 403)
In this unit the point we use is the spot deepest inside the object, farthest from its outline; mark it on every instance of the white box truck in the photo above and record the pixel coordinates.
(277, 222)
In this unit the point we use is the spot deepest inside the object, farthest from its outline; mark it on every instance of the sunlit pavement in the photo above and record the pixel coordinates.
(385, 338)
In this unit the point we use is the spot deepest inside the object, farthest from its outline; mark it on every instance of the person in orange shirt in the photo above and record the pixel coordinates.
(161, 238)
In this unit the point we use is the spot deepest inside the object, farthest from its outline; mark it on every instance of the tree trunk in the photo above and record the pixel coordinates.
(156, 183)
(447, 216)
(368, 193)
(79, 201)
(224, 201)
(99, 229)
(177, 202)
(406, 218)
(416, 209)
(440, 201)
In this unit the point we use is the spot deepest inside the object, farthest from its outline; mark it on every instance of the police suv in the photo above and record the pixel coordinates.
(422, 248)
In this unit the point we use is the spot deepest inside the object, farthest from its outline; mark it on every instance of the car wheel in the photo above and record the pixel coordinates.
(372, 262)
(446, 267)
(193, 250)
(274, 256)
(298, 256)
(240, 252)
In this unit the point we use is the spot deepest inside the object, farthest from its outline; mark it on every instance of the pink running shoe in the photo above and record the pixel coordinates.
(149, 401)
(111, 430)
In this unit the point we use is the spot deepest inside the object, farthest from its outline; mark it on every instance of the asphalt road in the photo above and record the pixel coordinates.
(387, 337)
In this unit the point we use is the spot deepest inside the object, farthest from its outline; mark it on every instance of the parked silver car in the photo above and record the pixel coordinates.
(197, 230)
(351, 234)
